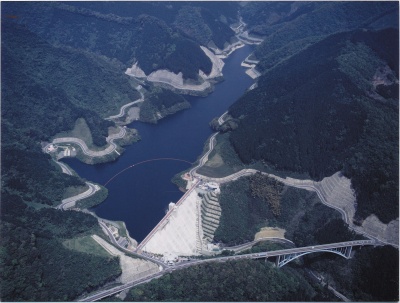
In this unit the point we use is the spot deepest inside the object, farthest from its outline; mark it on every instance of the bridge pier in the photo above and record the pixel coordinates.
(284, 259)
(344, 251)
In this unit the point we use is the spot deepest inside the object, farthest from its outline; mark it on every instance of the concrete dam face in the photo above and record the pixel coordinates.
(188, 227)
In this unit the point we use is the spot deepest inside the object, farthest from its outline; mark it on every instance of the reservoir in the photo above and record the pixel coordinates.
(140, 195)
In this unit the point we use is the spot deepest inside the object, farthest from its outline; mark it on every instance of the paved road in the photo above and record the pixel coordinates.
(289, 182)
(105, 293)
(123, 108)
(240, 27)
(335, 292)
(111, 236)
(85, 149)
(252, 243)
(204, 158)
(93, 188)
(286, 181)
(321, 197)
(221, 119)
(316, 248)
(237, 175)
(65, 168)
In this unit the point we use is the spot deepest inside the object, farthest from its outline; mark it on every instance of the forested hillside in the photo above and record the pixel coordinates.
(72, 71)
(246, 280)
(44, 90)
(333, 106)
(61, 62)
(161, 103)
(324, 103)
(250, 203)
(289, 27)
(157, 35)
(371, 275)
(35, 266)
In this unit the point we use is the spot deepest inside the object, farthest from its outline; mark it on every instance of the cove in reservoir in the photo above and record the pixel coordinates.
(140, 195)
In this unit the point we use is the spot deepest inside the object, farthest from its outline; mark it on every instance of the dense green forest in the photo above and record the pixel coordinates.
(72, 83)
(160, 103)
(59, 63)
(35, 266)
(323, 104)
(246, 280)
(37, 103)
(156, 35)
(258, 201)
(372, 274)
(324, 115)
(289, 27)
(202, 24)
(89, 81)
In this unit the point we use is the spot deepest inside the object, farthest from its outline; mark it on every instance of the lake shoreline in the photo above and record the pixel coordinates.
(231, 72)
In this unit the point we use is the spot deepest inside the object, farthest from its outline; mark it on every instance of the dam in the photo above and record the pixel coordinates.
(189, 225)
(140, 195)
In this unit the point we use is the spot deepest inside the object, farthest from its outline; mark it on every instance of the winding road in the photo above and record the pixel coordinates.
(65, 168)
(221, 119)
(204, 158)
(85, 149)
(287, 181)
(70, 202)
(297, 184)
(93, 188)
(124, 107)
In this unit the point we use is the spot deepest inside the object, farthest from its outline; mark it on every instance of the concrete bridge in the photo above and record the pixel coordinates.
(283, 257)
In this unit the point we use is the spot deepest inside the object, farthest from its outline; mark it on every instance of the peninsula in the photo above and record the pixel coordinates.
(294, 196)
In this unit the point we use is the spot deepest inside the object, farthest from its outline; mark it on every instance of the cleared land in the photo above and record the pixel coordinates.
(132, 269)
(86, 244)
(215, 161)
(74, 191)
(270, 232)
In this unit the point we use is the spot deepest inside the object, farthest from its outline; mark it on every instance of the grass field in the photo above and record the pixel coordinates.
(74, 190)
(37, 205)
(267, 232)
(86, 244)
(222, 161)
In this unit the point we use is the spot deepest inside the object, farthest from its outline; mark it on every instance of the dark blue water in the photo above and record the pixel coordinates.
(140, 195)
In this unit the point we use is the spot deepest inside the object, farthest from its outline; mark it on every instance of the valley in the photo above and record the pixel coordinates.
(278, 120)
